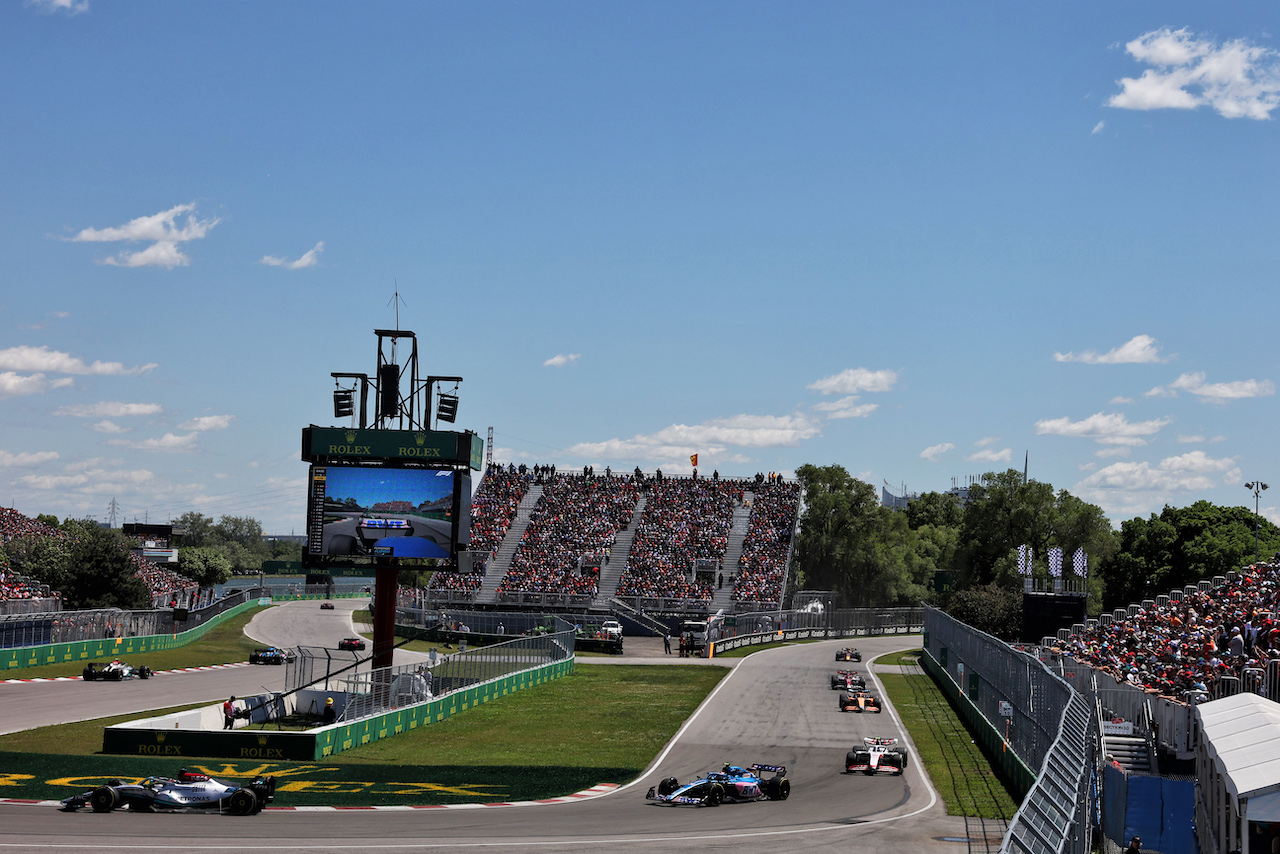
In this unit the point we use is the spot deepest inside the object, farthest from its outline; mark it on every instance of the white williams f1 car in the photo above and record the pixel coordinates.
(188, 792)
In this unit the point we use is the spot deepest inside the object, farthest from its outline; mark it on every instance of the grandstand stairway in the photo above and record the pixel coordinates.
(502, 562)
(611, 573)
(1130, 751)
(723, 598)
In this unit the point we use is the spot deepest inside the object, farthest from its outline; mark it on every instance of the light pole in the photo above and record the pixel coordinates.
(1257, 486)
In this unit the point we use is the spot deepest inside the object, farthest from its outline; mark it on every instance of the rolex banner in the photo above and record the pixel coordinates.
(422, 446)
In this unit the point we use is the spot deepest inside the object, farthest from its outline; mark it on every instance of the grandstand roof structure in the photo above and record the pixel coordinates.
(1242, 740)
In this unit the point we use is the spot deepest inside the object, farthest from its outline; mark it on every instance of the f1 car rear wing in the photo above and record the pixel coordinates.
(879, 742)
(776, 769)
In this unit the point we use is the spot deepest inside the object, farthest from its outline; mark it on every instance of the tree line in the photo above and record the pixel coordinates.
(963, 557)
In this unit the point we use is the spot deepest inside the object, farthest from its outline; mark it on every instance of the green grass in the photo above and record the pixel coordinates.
(744, 651)
(79, 738)
(223, 644)
(960, 772)
(617, 717)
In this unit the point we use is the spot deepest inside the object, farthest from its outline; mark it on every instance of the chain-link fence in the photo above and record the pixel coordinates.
(367, 693)
(22, 630)
(845, 622)
(1034, 713)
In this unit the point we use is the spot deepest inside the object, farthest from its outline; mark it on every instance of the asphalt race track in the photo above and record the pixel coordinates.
(776, 707)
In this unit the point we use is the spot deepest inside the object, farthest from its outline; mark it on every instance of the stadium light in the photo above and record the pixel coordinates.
(1257, 486)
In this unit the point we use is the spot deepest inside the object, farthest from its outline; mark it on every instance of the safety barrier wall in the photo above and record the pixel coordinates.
(852, 628)
(308, 746)
(1032, 724)
(59, 653)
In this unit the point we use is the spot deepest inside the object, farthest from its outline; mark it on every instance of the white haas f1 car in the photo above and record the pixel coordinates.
(114, 672)
(876, 756)
(187, 792)
(732, 783)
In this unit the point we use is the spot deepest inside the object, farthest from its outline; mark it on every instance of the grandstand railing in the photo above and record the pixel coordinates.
(542, 598)
(1016, 705)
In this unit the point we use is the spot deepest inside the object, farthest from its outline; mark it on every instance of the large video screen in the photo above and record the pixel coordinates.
(364, 515)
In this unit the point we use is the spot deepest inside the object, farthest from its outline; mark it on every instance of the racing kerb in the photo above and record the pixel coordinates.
(1034, 726)
(472, 678)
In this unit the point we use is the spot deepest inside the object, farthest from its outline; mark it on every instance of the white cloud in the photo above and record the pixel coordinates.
(854, 381)
(95, 481)
(1104, 428)
(1097, 129)
(1141, 349)
(208, 422)
(987, 440)
(932, 452)
(168, 443)
(1117, 401)
(71, 7)
(1187, 440)
(25, 458)
(308, 259)
(847, 407)
(108, 409)
(559, 361)
(1237, 79)
(987, 455)
(24, 358)
(1193, 383)
(1191, 472)
(109, 427)
(678, 441)
(160, 229)
(14, 385)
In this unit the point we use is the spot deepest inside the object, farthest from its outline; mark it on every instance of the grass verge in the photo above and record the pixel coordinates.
(609, 722)
(223, 644)
(960, 772)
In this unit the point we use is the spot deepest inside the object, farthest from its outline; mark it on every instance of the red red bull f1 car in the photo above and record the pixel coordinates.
(848, 654)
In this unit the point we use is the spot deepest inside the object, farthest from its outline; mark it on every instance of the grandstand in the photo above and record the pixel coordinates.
(639, 542)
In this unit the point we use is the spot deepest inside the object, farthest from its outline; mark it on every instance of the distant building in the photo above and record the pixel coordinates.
(154, 543)
(894, 502)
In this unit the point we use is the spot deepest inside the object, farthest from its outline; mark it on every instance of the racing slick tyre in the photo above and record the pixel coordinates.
(145, 672)
(784, 789)
(242, 802)
(902, 758)
(715, 797)
(102, 799)
(668, 785)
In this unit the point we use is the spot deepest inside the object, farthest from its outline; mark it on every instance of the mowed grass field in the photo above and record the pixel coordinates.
(960, 772)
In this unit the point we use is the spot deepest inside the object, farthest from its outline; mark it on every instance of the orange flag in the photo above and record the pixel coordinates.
(694, 459)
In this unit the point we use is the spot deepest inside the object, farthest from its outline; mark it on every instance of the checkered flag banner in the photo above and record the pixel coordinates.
(1024, 560)
(1055, 562)
(1080, 562)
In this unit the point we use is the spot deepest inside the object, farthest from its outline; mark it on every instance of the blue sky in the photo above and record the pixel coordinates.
(917, 240)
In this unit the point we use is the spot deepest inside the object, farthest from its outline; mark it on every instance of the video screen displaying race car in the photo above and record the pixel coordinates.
(188, 792)
(732, 783)
(847, 680)
(115, 671)
(859, 701)
(848, 654)
(876, 756)
(354, 644)
(271, 655)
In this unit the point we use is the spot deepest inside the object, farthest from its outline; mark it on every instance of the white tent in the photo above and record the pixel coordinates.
(1237, 768)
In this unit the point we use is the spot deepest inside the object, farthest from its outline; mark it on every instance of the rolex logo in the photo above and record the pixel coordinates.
(351, 436)
(420, 437)
(262, 741)
(160, 736)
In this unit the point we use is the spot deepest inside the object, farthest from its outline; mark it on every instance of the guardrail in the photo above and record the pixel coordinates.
(779, 635)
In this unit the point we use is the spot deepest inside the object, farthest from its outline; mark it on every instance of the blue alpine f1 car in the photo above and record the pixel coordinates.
(732, 783)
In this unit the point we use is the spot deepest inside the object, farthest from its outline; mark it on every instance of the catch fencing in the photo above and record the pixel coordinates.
(1031, 721)
(368, 693)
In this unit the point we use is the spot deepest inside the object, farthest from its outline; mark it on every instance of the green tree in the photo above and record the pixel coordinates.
(43, 558)
(939, 509)
(102, 573)
(991, 608)
(206, 566)
(197, 528)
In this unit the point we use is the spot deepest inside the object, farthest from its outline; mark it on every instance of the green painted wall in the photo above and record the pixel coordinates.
(57, 653)
(310, 746)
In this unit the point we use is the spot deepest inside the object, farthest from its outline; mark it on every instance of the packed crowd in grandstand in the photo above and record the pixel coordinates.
(577, 516)
(762, 569)
(493, 508)
(1190, 644)
(162, 581)
(684, 521)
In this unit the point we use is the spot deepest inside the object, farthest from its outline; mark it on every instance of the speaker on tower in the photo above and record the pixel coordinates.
(388, 390)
